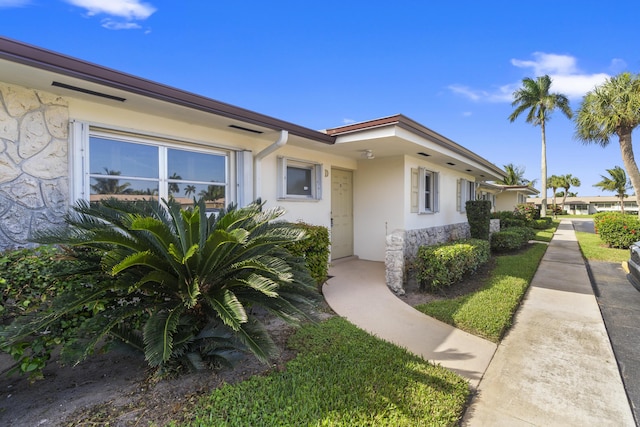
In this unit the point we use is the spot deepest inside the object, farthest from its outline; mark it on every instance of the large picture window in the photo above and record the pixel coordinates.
(138, 169)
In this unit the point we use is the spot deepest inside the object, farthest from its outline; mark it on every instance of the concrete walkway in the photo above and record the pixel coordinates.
(554, 368)
(358, 292)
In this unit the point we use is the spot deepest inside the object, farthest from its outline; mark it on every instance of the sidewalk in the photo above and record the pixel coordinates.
(554, 368)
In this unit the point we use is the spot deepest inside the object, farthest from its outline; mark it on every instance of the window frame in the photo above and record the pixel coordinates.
(431, 194)
(80, 168)
(467, 190)
(284, 163)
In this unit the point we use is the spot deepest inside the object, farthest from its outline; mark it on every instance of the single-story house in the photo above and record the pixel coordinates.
(71, 130)
(505, 197)
(587, 205)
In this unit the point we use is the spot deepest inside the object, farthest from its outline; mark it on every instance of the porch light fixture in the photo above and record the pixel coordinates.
(367, 154)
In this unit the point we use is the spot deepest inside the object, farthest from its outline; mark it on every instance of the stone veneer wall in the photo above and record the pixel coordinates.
(34, 184)
(402, 247)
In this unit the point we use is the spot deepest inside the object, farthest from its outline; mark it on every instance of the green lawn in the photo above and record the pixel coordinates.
(547, 234)
(342, 376)
(594, 249)
(488, 312)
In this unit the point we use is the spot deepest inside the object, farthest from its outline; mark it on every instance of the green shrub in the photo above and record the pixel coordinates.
(527, 211)
(526, 233)
(540, 224)
(479, 217)
(29, 280)
(617, 230)
(314, 249)
(503, 241)
(512, 222)
(442, 265)
(183, 284)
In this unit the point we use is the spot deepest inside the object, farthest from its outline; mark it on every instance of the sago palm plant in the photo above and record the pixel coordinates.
(184, 284)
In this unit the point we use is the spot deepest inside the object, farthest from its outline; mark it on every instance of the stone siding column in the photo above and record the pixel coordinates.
(34, 181)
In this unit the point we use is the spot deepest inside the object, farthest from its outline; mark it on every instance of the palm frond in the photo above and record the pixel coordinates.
(158, 334)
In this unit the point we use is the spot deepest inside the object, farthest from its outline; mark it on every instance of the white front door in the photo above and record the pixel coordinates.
(341, 213)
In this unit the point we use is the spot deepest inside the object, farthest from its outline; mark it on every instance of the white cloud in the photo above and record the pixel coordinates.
(500, 94)
(128, 9)
(549, 63)
(617, 65)
(114, 25)
(348, 121)
(13, 3)
(565, 74)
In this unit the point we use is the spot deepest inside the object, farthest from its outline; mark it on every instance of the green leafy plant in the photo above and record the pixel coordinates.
(29, 280)
(315, 251)
(527, 211)
(479, 217)
(186, 288)
(506, 240)
(442, 265)
(617, 230)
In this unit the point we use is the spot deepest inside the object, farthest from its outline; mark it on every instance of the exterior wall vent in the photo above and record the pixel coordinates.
(88, 91)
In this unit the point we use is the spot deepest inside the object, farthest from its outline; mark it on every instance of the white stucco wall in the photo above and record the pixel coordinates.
(448, 191)
(378, 204)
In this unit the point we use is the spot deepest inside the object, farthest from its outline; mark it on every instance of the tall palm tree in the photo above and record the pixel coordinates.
(616, 181)
(514, 176)
(535, 96)
(554, 182)
(613, 108)
(567, 181)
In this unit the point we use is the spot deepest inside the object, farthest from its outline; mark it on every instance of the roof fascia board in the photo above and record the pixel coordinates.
(61, 64)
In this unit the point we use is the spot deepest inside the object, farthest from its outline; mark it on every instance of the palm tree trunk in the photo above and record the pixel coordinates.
(543, 183)
(622, 203)
(624, 135)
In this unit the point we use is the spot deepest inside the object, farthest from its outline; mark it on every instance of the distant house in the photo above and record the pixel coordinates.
(587, 205)
(73, 130)
(505, 197)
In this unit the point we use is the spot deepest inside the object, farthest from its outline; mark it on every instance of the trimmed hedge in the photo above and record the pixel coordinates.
(503, 241)
(442, 265)
(479, 217)
(511, 238)
(617, 230)
(315, 250)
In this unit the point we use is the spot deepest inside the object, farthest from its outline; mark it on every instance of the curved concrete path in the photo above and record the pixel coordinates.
(555, 367)
(358, 292)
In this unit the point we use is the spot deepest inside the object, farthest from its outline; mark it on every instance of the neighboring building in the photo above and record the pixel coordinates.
(505, 197)
(74, 130)
(587, 205)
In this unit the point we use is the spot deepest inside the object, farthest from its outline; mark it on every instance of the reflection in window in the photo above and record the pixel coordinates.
(139, 171)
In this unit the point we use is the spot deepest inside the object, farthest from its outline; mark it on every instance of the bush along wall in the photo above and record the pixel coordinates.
(442, 265)
(315, 250)
(479, 217)
(511, 238)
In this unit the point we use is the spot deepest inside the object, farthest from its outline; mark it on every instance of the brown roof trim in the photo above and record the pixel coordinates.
(406, 123)
(36, 57)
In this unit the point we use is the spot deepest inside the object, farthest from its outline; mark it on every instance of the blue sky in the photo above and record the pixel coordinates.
(451, 66)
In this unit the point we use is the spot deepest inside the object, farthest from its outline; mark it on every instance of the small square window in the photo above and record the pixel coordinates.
(298, 179)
